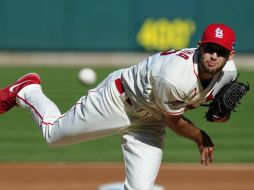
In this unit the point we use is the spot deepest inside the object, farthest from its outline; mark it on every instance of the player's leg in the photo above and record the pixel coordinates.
(98, 114)
(142, 155)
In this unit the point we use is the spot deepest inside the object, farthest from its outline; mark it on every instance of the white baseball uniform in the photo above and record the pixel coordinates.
(131, 101)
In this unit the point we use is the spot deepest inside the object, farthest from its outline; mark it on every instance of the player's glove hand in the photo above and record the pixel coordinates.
(206, 149)
(226, 101)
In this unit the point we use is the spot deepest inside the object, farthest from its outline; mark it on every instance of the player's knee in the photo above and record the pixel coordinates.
(57, 142)
(52, 142)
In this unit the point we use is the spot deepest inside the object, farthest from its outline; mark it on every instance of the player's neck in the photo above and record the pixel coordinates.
(204, 76)
(205, 83)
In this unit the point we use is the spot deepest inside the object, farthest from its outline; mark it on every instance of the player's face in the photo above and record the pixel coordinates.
(213, 58)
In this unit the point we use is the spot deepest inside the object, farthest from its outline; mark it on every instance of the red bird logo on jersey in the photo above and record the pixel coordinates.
(210, 97)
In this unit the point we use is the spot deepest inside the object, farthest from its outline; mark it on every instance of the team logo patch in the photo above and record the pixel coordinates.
(219, 33)
(174, 103)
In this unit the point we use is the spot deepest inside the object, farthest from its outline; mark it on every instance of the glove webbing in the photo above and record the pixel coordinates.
(234, 95)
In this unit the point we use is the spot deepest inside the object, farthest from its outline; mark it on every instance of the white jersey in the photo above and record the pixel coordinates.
(168, 82)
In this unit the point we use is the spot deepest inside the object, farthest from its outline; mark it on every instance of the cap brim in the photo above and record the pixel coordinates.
(217, 43)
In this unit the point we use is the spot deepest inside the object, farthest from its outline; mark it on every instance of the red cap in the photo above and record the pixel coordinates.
(219, 34)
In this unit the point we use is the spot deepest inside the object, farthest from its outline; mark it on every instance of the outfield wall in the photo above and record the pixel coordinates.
(118, 25)
(93, 59)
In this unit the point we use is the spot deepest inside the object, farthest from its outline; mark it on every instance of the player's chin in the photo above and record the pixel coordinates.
(211, 70)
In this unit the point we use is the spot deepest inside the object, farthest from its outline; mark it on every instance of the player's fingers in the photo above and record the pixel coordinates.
(210, 154)
(203, 156)
(207, 157)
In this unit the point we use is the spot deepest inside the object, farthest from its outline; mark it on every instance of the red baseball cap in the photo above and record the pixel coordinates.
(219, 34)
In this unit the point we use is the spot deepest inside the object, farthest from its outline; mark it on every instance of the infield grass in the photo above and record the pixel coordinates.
(20, 140)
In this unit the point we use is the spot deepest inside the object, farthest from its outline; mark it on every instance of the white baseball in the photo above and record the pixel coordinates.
(87, 76)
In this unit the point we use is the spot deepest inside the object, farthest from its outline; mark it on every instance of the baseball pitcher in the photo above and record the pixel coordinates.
(140, 102)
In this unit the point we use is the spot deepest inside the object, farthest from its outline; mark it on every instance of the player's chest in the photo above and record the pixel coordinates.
(199, 95)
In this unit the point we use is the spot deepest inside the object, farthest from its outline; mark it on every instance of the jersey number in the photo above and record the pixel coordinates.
(184, 54)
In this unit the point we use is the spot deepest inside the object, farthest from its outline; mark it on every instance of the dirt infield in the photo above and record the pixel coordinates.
(89, 176)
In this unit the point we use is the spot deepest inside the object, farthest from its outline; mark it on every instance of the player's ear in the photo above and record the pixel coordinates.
(199, 43)
(231, 55)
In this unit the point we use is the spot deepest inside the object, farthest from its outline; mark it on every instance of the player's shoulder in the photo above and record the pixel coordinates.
(177, 58)
(183, 53)
(175, 64)
(230, 66)
(229, 71)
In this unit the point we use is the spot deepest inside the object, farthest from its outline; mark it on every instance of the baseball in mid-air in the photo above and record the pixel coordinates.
(87, 76)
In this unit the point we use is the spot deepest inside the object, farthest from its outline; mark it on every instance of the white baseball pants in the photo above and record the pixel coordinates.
(102, 112)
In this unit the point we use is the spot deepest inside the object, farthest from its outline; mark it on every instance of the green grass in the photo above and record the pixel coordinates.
(20, 140)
